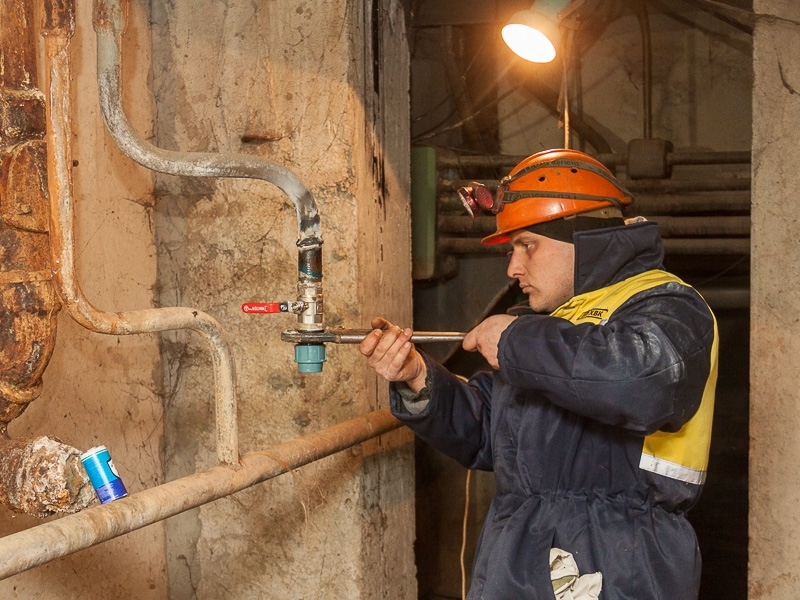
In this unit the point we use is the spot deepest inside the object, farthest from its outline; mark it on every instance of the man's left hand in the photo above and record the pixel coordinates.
(486, 336)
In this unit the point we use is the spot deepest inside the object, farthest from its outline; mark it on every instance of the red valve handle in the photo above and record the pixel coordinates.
(264, 307)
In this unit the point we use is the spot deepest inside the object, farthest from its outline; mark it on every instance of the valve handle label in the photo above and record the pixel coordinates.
(265, 307)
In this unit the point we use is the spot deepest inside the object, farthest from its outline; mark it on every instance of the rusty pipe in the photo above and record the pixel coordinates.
(109, 24)
(49, 541)
(58, 32)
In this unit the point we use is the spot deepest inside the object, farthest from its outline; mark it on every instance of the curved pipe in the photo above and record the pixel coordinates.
(109, 24)
(43, 543)
(58, 31)
(109, 19)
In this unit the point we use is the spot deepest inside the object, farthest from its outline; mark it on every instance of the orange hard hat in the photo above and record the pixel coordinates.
(551, 185)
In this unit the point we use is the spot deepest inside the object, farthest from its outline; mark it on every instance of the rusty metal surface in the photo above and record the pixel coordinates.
(39, 477)
(43, 477)
(43, 543)
(59, 17)
(28, 302)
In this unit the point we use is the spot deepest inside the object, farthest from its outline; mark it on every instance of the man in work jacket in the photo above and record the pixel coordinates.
(596, 420)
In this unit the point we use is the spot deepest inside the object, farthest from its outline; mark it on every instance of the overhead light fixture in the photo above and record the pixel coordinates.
(533, 33)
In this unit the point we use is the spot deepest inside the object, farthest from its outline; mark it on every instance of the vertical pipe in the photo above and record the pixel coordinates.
(58, 29)
(647, 70)
(29, 303)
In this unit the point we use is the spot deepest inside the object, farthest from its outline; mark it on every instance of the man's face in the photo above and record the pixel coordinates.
(545, 269)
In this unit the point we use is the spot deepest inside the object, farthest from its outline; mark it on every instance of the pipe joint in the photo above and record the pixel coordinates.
(309, 294)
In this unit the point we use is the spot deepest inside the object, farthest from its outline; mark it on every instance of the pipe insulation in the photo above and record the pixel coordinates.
(58, 29)
(49, 541)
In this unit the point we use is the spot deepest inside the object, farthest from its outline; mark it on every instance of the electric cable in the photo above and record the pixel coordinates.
(464, 537)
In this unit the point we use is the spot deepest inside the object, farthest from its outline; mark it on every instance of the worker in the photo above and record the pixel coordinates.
(596, 415)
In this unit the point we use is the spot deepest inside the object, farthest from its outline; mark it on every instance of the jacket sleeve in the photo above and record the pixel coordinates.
(457, 418)
(643, 370)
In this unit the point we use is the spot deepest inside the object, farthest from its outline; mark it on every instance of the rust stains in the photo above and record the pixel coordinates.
(59, 17)
(38, 476)
(42, 477)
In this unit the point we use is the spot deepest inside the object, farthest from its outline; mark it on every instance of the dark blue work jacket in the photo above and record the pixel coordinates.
(596, 427)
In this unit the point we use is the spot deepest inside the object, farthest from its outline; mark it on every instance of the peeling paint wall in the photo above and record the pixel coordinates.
(774, 416)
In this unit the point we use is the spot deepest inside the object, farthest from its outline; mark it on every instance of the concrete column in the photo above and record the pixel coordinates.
(320, 88)
(775, 335)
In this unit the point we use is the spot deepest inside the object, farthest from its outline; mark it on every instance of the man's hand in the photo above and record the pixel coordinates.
(392, 355)
(486, 336)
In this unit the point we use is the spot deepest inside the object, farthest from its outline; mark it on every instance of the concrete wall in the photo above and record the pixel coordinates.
(774, 416)
(304, 79)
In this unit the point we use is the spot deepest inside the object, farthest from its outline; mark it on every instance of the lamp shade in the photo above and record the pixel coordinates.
(533, 34)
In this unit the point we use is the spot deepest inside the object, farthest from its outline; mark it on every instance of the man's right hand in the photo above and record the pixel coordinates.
(392, 356)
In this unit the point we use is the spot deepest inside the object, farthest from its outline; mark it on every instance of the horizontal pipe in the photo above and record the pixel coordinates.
(650, 186)
(356, 336)
(692, 202)
(651, 204)
(668, 225)
(59, 159)
(672, 227)
(732, 298)
(41, 544)
(720, 246)
(455, 161)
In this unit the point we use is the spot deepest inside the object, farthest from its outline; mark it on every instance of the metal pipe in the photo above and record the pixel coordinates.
(58, 31)
(732, 201)
(355, 336)
(669, 226)
(109, 23)
(732, 246)
(647, 71)
(648, 204)
(49, 541)
(456, 161)
(653, 186)
(726, 297)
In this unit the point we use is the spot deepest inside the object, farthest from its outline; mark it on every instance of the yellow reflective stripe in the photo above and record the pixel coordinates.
(682, 455)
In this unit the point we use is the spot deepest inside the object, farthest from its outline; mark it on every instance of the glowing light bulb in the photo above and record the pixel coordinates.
(533, 34)
(529, 43)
